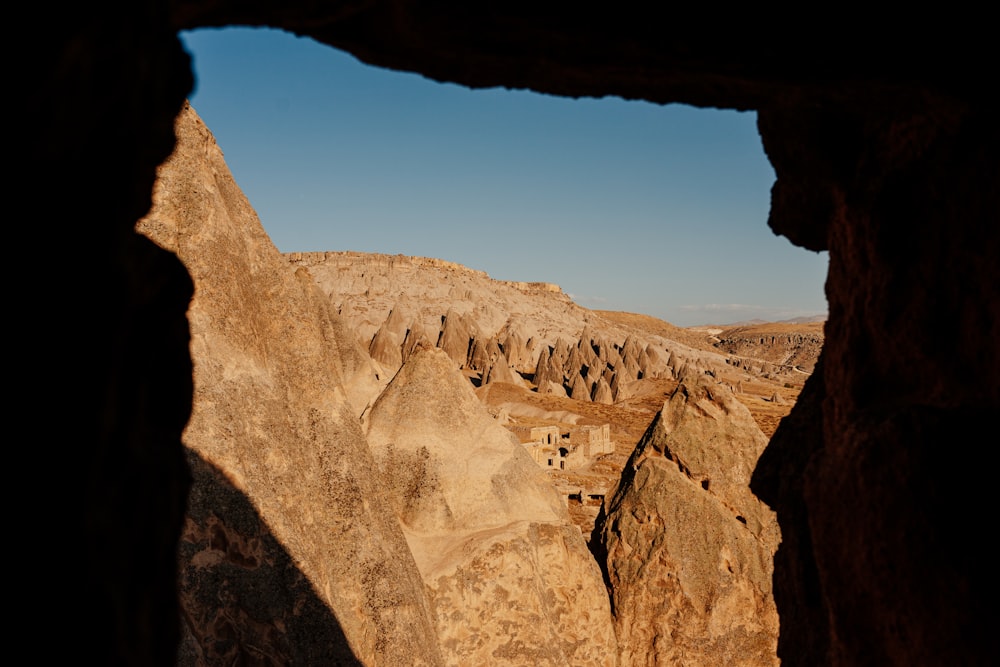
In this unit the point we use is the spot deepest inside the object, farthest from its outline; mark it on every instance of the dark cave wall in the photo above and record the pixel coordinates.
(881, 529)
(888, 161)
(103, 380)
(915, 305)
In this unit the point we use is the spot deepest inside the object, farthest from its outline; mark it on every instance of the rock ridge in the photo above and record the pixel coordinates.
(395, 261)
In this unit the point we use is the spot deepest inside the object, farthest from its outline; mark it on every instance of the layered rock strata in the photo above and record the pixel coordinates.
(773, 348)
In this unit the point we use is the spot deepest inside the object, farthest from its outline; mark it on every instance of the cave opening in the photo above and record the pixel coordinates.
(888, 145)
(722, 255)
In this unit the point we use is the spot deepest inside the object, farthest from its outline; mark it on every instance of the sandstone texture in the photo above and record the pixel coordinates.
(291, 552)
(284, 490)
(685, 545)
(509, 577)
(305, 456)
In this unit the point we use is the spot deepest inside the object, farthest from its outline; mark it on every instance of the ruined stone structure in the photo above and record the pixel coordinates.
(885, 147)
(593, 441)
(550, 447)
(545, 435)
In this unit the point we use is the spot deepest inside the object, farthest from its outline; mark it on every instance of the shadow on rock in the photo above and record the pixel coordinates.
(243, 600)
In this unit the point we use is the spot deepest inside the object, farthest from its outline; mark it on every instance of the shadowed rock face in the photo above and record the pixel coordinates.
(244, 599)
(685, 546)
(886, 154)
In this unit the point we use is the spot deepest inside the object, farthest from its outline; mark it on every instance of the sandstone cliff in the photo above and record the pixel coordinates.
(282, 469)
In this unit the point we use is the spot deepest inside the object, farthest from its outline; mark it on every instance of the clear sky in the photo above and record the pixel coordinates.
(627, 205)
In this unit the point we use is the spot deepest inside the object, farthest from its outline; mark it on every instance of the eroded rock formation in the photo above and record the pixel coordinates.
(510, 579)
(274, 424)
(773, 348)
(886, 154)
(686, 547)
(547, 340)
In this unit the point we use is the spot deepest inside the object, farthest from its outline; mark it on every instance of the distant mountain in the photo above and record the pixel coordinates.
(805, 319)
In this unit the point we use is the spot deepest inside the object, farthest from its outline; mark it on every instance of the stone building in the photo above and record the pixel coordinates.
(593, 440)
(558, 450)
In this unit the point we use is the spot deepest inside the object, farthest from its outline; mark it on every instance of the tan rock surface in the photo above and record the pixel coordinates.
(885, 154)
(278, 387)
(687, 547)
(366, 287)
(790, 347)
(510, 578)
(262, 330)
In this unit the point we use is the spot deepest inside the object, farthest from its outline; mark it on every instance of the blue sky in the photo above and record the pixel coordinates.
(627, 205)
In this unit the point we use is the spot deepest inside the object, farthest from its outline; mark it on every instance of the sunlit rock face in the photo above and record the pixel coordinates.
(686, 547)
(509, 577)
(774, 348)
(290, 549)
(496, 330)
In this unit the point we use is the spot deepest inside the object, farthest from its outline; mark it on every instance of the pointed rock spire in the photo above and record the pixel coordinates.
(500, 371)
(396, 322)
(602, 393)
(415, 335)
(385, 349)
(580, 389)
(456, 337)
